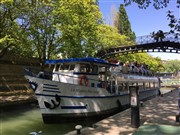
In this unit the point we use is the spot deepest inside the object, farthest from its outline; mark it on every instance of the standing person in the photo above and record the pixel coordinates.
(161, 35)
(155, 36)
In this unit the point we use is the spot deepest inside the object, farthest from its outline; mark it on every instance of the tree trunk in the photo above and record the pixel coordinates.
(5, 50)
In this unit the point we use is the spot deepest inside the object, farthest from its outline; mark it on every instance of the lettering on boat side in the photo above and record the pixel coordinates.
(83, 91)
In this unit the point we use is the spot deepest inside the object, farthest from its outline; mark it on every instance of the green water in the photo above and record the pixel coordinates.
(23, 121)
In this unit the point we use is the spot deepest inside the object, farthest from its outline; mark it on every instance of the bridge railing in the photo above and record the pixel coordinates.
(152, 39)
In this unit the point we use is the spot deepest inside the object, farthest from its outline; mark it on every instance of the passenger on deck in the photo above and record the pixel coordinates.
(125, 68)
(119, 68)
(139, 69)
(134, 68)
(161, 35)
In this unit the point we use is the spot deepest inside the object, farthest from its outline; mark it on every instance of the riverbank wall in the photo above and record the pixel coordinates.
(14, 88)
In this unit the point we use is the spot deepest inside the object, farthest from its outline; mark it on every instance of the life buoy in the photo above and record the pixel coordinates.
(85, 79)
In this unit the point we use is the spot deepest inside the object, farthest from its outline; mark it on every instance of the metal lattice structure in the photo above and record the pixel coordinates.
(148, 43)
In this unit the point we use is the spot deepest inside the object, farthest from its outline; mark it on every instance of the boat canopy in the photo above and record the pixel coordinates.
(77, 60)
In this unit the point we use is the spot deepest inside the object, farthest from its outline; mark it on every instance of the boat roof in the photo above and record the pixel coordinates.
(77, 60)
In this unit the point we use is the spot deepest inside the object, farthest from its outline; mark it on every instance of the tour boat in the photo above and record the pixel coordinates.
(80, 88)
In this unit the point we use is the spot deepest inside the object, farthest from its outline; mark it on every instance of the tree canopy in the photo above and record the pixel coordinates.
(45, 28)
(158, 4)
(174, 22)
(123, 23)
(171, 66)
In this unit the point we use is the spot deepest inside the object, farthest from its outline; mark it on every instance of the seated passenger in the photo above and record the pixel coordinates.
(132, 67)
(118, 69)
(125, 69)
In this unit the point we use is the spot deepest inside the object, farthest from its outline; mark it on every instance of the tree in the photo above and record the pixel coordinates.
(172, 66)
(78, 23)
(154, 64)
(38, 20)
(174, 23)
(145, 3)
(12, 37)
(114, 15)
(109, 37)
(124, 26)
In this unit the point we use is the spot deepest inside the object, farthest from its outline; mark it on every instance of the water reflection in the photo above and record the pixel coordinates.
(26, 119)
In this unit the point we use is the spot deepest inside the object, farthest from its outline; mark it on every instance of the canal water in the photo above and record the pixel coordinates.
(22, 120)
(27, 118)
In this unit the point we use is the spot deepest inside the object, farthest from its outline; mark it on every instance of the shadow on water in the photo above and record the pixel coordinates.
(21, 120)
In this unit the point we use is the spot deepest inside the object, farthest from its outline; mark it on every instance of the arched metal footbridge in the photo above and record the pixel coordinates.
(169, 43)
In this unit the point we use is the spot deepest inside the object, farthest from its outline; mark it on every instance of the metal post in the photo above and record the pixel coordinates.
(178, 113)
(134, 102)
(78, 129)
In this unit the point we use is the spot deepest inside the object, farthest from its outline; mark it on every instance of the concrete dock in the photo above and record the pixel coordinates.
(156, 114)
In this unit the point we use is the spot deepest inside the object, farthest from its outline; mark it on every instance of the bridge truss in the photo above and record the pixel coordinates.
(148, 43)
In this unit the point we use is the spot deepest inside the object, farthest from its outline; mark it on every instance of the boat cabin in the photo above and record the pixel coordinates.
(95, 72)
(81, 71)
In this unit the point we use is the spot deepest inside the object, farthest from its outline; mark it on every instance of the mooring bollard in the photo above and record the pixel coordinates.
(141, 103)
(177, 117)
(78, 129)
(178, 113)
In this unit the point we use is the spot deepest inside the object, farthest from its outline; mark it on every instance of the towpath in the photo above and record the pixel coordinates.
(159, 111)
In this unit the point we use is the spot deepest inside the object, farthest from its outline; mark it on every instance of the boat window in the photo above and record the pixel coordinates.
(95, 69)
(140, 85)
(64, 66)
(77, 68)
(156, 85)
(102, 76)
(72, 66)
(146, 84)
(57, 67)
(151, 85)
(85, 68)
(102, 69)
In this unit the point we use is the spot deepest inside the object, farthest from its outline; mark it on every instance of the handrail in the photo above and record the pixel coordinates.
(151, 39)
(48, 75)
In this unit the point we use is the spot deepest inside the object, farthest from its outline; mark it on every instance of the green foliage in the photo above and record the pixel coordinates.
(174, 24)
(78, 23)
(38, 21)
(12, 37)
(145, 3)
(154, 64)
(124, 26)
(109, 37)
(45, 28)
(171, 66)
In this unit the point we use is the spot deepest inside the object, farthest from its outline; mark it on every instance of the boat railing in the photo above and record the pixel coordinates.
(141, 72)
(49, 76)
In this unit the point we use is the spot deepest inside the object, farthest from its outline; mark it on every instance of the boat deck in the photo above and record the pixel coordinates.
(157, 116)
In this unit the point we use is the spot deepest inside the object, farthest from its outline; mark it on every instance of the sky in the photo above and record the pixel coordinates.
(144, 21)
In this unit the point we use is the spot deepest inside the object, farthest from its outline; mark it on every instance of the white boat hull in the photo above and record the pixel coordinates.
(62, 101)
